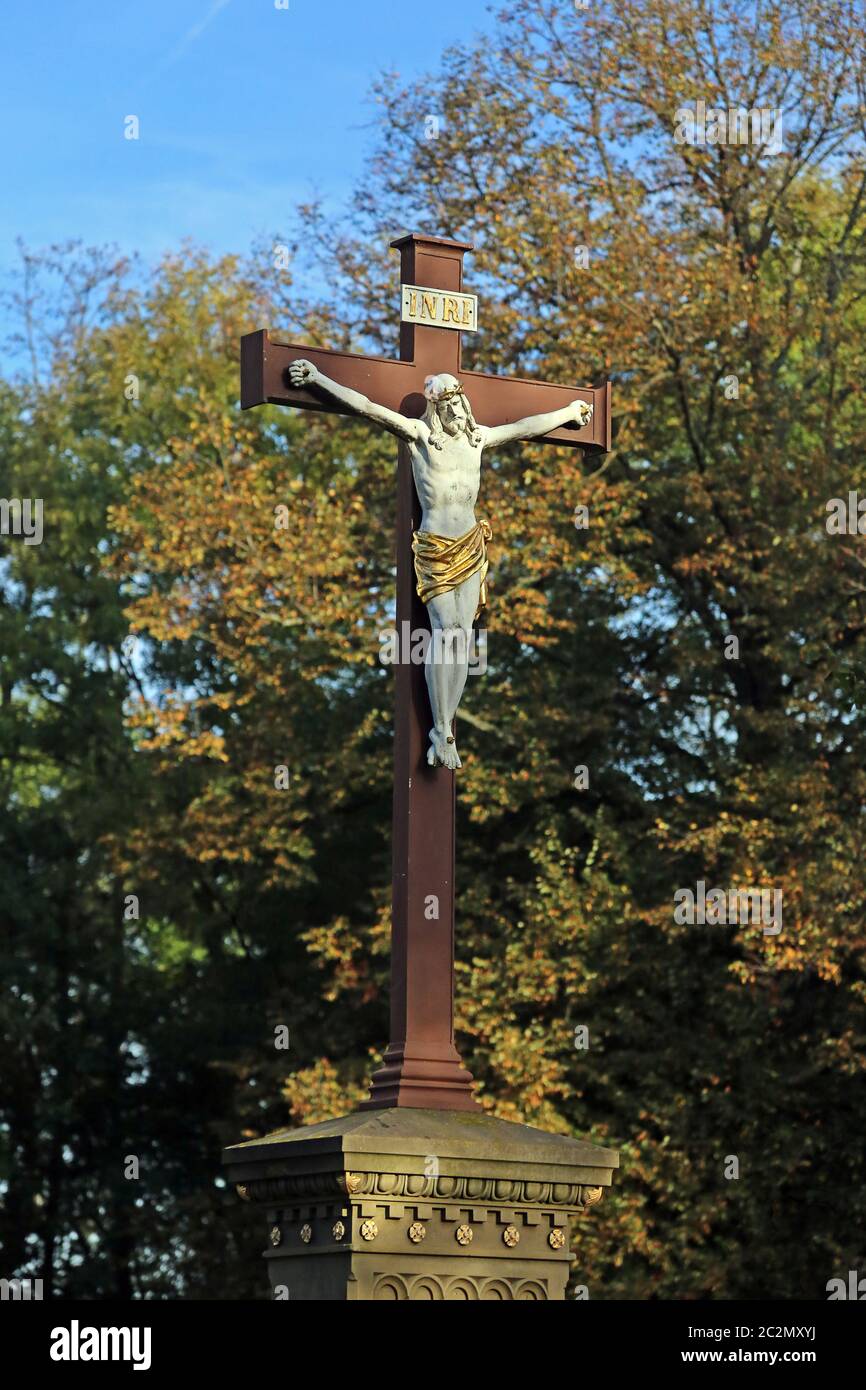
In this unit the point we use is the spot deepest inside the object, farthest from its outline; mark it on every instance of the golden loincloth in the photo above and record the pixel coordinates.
(443, 563)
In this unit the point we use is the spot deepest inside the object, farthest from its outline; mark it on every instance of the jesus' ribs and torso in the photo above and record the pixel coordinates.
(450, 546)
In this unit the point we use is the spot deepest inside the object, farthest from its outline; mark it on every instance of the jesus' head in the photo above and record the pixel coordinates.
(448, 411)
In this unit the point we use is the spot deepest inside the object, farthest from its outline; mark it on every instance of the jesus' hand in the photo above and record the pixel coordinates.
(303, 373)
(582, 412)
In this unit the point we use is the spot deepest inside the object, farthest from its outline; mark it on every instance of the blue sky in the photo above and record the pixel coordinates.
(244, 111)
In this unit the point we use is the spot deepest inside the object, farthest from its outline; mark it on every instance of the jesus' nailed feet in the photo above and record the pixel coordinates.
(450, 546)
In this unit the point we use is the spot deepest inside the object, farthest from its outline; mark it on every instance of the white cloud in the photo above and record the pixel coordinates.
(192, 34)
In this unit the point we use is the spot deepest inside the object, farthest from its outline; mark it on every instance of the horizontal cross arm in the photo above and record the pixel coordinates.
(266, 358)
(495, 400)
(499, 400)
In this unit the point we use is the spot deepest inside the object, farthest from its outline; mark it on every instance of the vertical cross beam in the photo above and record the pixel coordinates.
(421, 1066)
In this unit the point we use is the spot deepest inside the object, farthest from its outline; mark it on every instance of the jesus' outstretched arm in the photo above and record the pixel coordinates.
(304, 373)
(578, 413)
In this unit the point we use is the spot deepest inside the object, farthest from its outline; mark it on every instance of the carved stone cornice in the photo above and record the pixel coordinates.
(335, 1186)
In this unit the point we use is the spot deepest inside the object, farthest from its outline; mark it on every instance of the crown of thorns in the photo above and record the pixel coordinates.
(437, 397)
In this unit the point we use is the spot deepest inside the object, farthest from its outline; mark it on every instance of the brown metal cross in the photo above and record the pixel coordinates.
(421, 1066)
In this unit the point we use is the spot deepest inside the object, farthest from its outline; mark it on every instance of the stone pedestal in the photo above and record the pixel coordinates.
(418, 1204)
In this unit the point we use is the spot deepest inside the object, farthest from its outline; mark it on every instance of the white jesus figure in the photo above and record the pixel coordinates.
(450, 547)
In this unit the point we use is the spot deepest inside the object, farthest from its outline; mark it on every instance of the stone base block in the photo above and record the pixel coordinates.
(419, 1204)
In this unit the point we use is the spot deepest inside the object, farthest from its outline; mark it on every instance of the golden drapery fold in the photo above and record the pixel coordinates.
(442, 563)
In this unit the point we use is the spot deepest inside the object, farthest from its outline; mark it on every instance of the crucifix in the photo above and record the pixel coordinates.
(443, 418)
